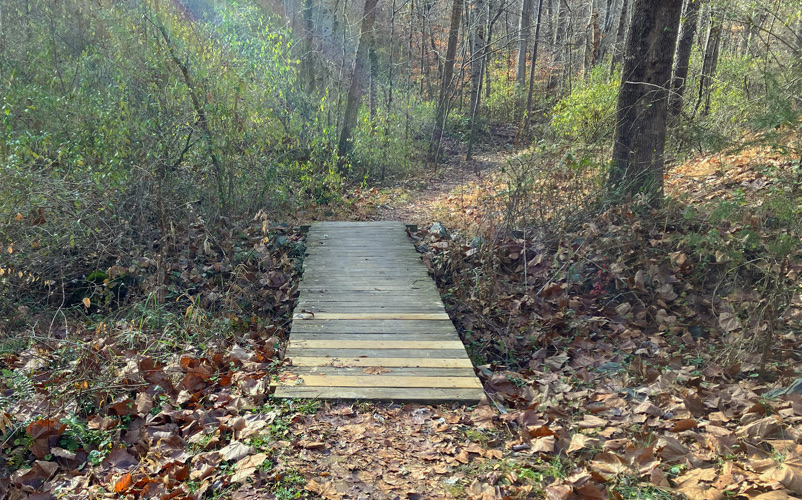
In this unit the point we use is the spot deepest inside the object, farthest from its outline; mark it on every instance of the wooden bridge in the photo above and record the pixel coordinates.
(370, 323)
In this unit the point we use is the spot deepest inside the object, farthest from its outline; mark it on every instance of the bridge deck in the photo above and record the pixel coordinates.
(370, 323)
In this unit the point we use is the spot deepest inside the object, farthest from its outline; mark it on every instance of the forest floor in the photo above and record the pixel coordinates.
(614, 365)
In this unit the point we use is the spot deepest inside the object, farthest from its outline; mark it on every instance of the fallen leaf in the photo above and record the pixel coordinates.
(123, 484)
(376, 370)
(581, 441)
(325, 490)
(235, 451)
(684, 425)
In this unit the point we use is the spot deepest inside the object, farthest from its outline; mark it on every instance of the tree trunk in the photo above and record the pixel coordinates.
(528, 115)
(643, 101)
(445, 84)
(524, 30)
(358, 78)
(592, 42)
(307, 61)
(559, 45)
(606, 30)
(752, 33)
(620, 36)
(373, 58)
(709, 63)
(683, 56)
(477, 65)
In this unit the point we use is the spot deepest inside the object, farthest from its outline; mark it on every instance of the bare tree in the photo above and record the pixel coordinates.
(358, 77)
(709, 63)
(478, 47)
(525, 20)
(687, 33)
(445, 84)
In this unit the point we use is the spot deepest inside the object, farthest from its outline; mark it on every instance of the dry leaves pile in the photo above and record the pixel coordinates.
(164, 405)
(629, 353)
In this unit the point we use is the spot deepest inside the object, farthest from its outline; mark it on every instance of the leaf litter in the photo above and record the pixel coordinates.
(601, 356)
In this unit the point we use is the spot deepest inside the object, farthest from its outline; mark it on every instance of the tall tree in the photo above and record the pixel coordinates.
(592, 42)
(560, 47)
(640, 133)
(358, 77)
(477, 25)
(445, 84)
(524, 22)
(528, 115)
(709, 62)
(682, 59)
(620, 35)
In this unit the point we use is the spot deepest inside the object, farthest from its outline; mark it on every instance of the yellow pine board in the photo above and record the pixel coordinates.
(321, 316)
(383, 362)
(375, 344)
(379, 381)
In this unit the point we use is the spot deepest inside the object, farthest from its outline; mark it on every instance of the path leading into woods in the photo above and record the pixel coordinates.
(370, 324)
(426, 194)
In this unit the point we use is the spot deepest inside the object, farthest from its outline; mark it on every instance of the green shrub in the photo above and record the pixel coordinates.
(588, 114)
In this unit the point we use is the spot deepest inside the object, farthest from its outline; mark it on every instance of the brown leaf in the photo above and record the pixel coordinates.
(729, 321)
(559, 492)
(671, 449)
(235, 451)
(120, 459)
(759, 429)
(543, 444)
(311, 445)
(325, 490)
(609, 465)
(45, 434)
(581, 441)
(684, 425)
(482, 491)
(788, 473)
(375, 370)
(123, 484)
(774, 495)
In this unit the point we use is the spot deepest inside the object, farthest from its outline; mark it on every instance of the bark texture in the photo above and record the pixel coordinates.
(637, 163)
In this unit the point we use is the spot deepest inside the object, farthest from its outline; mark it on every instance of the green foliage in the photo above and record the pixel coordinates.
(588, 114)
(504, 95)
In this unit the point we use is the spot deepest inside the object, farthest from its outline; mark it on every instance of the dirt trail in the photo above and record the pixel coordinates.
(419, 198)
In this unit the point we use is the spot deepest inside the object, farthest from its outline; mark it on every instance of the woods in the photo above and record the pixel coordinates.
(606, 192)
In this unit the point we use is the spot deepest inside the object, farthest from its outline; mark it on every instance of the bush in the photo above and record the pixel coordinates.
(588, 114)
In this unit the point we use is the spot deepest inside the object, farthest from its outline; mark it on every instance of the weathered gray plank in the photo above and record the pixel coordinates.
(373, 326)
(469, 396)
(345, 354)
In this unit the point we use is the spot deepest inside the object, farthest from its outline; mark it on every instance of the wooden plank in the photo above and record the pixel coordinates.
(324, 295)
(373, 327)
(374, 344)
(365, 306)
(462, 362)
(375, 336)
(470, 396)
(379, 315)
(395, 372)
(294, 380)
(347, 354)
